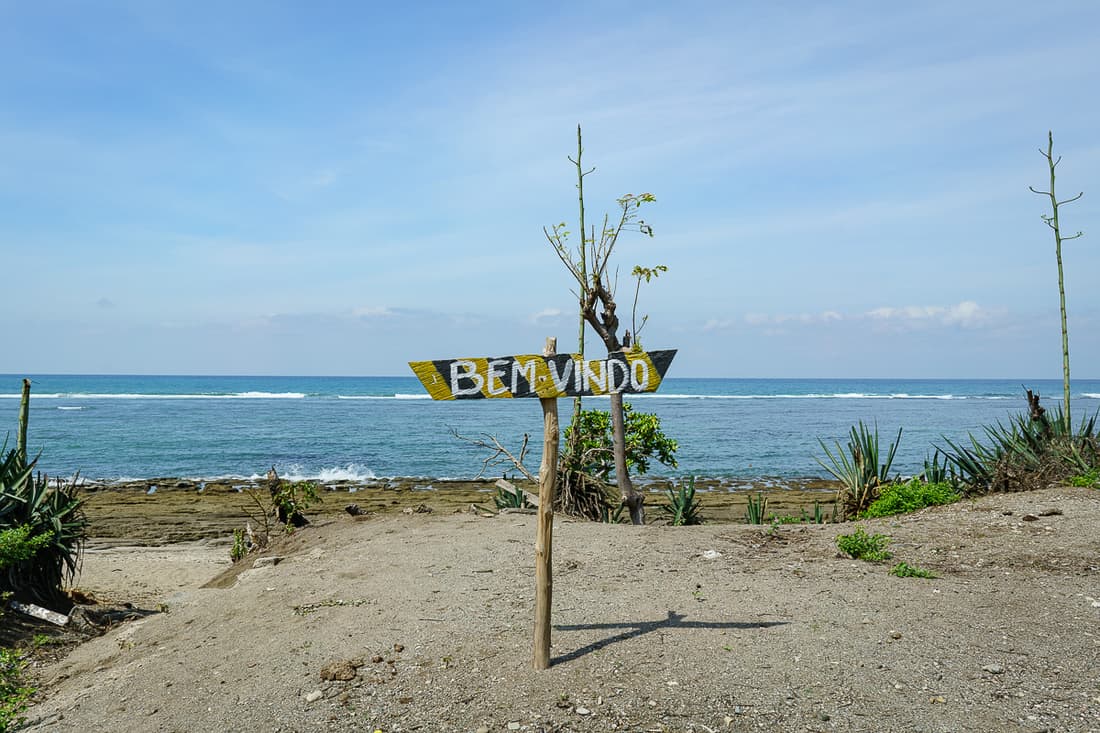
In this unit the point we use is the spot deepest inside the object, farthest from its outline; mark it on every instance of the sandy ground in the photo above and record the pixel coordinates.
(715, 628)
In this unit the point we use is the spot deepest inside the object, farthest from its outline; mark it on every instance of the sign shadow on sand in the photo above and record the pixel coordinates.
(638, 628)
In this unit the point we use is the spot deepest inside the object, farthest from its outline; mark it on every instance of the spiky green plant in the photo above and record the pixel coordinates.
(1025, 454)
(512, 498)
(818, 515)
(54, 511)
(756, 509)
(858, 468)
(30, 504)
(682, 507)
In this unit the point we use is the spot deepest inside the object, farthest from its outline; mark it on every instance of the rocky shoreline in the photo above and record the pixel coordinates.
(159, 511)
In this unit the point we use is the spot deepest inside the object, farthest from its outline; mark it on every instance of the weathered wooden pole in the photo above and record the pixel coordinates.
(24, 412)
(548, 476)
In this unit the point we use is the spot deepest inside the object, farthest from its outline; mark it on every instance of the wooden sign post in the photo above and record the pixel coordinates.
(548, 377)
(544, 535)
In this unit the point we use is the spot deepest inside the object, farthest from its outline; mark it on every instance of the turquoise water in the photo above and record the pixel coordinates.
(119, 427)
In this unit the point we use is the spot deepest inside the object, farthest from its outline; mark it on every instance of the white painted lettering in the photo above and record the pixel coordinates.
(561, 381)
(469, 373)
(525, 369)
(494, 377)
(639, 375)
(597, 377)
(617, 384)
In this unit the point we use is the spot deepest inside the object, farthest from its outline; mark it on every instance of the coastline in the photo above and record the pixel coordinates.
(162, 511)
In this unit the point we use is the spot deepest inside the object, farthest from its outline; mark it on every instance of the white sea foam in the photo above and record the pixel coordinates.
(1091, 395)
(70, 407)
(384, 397)
(810, 396)
(138, 396)
(297, 472)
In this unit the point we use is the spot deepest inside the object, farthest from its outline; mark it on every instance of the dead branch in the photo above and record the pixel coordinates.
(499, 454)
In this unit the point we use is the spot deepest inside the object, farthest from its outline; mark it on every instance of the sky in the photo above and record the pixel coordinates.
(340, 188)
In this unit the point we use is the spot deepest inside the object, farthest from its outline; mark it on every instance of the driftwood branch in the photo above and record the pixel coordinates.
(498, 453)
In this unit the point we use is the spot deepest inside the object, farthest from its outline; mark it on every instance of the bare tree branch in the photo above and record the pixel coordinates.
(499, 454)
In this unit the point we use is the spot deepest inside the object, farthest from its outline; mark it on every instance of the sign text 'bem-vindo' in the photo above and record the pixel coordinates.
(535, 375)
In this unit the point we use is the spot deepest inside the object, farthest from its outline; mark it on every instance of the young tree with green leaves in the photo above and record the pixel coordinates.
(1051, 221)
(590, 266)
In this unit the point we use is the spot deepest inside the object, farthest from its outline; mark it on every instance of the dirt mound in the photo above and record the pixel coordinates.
(424, 622)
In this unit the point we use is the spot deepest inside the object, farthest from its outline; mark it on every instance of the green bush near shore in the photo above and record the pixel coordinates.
(1090, 479)
(862, 546)
(904, 498)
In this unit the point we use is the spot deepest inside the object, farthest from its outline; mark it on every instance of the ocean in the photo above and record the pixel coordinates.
(357, 428)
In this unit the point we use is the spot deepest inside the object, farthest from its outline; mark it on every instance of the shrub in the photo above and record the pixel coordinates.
(1086, 480)
(909, 497)
(240, 547)
(17, 545)
(682, 507)
(587, 459)
(905, 570)
(14, 694)
(862, 546)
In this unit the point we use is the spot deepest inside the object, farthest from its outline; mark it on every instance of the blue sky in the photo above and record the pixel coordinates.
(339, 188)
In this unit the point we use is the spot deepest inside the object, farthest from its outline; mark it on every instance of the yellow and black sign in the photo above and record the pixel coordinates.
(535, 375)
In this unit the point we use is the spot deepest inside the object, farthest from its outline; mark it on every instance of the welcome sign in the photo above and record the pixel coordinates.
(535, 375)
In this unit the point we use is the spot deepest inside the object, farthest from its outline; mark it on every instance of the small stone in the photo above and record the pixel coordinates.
(513, 725)
(652, 703)
(399, 648)
(1030, 518)
(895, 634)
(937, 700)
(1051, 512)
(267, 562)
(993, 669)
(376, 659)
(314, 696)
(583, 711)
(482, 729)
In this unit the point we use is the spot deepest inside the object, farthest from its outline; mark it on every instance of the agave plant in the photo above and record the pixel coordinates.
(858, 468)
(29, 504)
(1025, 454)
(682, 507)
(756, 508)
(53, 511)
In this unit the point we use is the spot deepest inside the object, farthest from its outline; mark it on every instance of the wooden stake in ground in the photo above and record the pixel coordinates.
(548, 476)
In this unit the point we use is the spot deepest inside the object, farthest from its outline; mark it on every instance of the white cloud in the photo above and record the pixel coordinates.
(966, 314)
(546, 315)
(372, 312)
